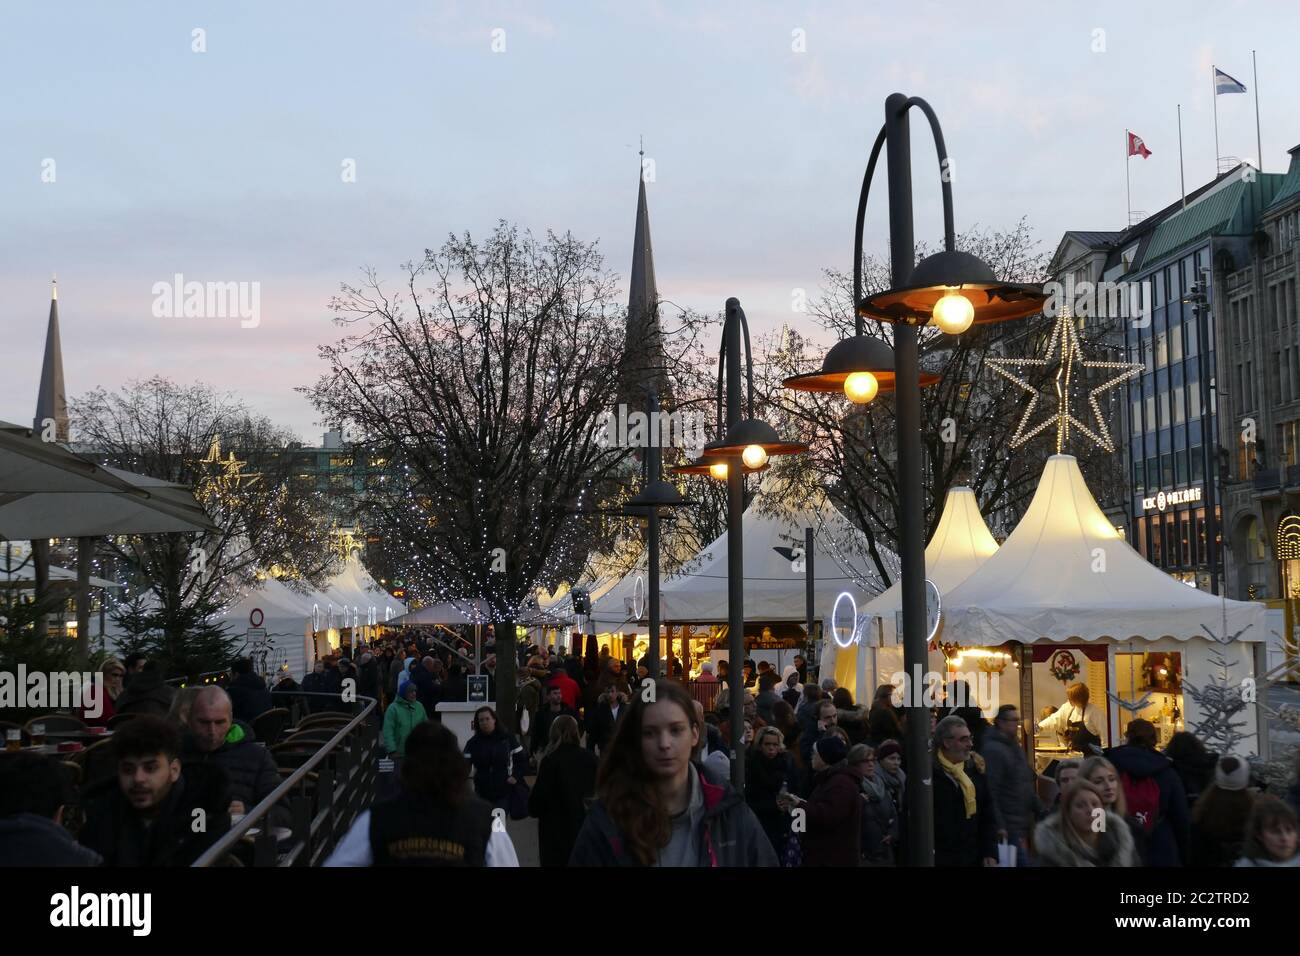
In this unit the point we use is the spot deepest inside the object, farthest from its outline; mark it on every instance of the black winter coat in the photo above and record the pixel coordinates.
(493, 758)
(960, 840)
(1011, 784)
(566, 783)
(1166, 844)
(115, 831)
(147, 693)
(249, 697)
(28, 839)
(764, 778)
(249, 769)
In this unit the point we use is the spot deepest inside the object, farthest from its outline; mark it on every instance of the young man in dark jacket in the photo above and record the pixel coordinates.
(154, 815)
(1138, 762)
(965, 828)
(34, 791)
(552, 707)
(215, 739)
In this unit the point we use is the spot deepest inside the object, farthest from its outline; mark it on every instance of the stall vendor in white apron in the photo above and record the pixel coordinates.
(1076, 722)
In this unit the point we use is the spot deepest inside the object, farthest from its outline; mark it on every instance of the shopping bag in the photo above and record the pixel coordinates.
(1007, 854)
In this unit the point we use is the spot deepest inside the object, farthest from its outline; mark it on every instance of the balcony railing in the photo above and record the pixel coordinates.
(1267, 479)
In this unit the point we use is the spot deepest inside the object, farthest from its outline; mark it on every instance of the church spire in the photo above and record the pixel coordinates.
(51, 399)
(643, 359)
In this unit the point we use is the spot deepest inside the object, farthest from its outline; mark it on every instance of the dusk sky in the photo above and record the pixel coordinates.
(226, 165)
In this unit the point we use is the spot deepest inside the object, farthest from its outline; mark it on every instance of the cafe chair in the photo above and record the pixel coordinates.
(58, 724)
(269, 727)
(118, 719)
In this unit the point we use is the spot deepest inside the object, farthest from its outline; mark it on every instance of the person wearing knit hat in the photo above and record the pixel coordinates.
(830, 750)
(833, 810)
(1220, 816)
(1232, 774)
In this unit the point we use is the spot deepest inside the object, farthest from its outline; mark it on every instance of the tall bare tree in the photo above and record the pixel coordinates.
(268, 522)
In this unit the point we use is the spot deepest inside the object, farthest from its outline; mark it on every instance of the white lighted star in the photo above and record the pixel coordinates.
(1064, 351)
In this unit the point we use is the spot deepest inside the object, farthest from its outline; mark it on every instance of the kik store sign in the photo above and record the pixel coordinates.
(1164, 499)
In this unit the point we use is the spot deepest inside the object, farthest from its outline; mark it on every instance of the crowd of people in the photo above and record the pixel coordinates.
(622, 769)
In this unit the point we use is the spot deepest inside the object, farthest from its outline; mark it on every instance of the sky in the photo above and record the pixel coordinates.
(292, 144)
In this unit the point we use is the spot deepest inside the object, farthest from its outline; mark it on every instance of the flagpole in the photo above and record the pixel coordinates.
(1128, 194)
(1259, 147)
(1182, 183)
(1214, 95)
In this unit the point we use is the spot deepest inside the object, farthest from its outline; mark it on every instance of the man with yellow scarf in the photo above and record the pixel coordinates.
(965, 832)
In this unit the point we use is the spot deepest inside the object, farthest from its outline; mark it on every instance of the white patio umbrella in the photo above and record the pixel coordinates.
(47, 491)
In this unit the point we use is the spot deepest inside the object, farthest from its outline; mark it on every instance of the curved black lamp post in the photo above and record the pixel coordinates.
(656, 495)
(951, 290)
(743, 448)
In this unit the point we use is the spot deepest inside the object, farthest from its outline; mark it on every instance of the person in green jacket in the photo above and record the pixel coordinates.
(401, 718)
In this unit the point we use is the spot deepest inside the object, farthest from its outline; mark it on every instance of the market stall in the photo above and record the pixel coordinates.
(1071, 603)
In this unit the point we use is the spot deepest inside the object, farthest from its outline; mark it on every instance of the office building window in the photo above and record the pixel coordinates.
(1286, 443)
(1157, 542)
(1185, 538)
(1167, 470)
(1178, 405)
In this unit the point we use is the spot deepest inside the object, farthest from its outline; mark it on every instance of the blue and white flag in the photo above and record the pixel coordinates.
(1223, 83)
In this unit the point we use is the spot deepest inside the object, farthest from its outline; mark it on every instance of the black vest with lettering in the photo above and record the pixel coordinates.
(413, 831)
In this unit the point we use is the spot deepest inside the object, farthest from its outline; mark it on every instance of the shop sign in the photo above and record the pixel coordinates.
(1164, 499)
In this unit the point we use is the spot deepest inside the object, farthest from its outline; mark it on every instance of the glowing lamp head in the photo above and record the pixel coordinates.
(718, 470)
(754, 456)
(953, 313)
(861, 387)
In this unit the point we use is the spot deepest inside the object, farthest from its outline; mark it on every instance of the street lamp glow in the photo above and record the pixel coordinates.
(861, 387)
(953, 313)
(754, 456)
(718, 470)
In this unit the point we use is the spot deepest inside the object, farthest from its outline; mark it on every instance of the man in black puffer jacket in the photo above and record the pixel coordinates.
(147, 693)
(216, 739)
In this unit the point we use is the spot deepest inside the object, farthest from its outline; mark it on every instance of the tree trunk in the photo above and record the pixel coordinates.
(507, 668)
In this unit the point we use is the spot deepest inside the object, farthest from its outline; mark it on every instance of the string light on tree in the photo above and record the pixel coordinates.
(1065, 353)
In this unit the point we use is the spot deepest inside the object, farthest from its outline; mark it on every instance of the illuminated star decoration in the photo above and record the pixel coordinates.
(1064, 351)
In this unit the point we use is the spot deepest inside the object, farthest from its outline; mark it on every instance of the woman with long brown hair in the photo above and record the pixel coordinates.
(654, 807)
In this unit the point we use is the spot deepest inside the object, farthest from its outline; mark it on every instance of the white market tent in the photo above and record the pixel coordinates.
(960, 544)
(1065, 574)
(287, 619)
(774, 590)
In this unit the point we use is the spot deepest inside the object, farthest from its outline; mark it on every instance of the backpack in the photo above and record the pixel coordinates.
(1143, 797)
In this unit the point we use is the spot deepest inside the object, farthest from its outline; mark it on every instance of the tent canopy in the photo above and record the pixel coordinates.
(47, 491)
(960, 544)
(1065, 573)
(774, 590)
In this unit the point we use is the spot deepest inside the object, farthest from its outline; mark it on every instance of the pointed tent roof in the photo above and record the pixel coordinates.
(1065, 573)
(643, 347)
(959, 545)
(51, 398)
(773, 590)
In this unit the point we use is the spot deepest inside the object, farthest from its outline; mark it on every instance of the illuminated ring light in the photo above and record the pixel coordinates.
(938, 609)
(852, 631)
(315, 617)
(638, 597)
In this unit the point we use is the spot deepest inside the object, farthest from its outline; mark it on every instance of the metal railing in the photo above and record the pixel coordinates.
(323, 798)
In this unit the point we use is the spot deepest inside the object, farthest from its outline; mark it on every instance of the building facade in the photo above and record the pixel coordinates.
(1172, 273)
